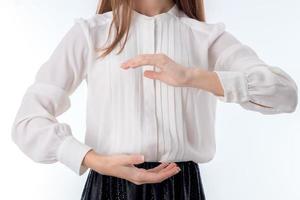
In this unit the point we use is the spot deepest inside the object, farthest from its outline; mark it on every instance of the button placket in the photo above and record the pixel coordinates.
(149, 97)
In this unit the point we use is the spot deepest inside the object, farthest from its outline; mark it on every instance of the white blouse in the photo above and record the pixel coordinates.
(129, 113)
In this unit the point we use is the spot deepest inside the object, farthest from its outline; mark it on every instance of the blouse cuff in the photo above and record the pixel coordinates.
(71, 153)
(235, 86)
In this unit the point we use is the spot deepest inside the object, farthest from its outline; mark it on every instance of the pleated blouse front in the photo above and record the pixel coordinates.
(129, 113)
(139, 115)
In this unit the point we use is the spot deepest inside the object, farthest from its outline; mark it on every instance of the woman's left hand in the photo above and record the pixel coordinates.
(170, 72)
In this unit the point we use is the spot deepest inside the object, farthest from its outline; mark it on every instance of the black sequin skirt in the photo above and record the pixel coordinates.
(185, 185)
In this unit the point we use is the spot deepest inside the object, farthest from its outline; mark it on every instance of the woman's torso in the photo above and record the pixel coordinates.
(129, 113)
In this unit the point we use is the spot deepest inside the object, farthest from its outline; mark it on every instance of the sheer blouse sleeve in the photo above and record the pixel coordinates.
(246, 79)
(36, 130)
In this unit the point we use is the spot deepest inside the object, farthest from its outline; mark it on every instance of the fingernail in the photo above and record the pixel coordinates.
(178, 170)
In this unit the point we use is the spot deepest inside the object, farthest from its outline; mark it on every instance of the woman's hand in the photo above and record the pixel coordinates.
(122, 166)
(170, 72)
(175, 74)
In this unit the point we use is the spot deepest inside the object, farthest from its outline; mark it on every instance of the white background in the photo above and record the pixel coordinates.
(257, 155)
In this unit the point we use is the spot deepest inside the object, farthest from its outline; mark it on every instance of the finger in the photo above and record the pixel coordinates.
(169, 167)
(153, 177)
(157, 174)
(159, 167)
(141, 175)
(152, 74)
(144, 59)
(169, 173)
(124, 159)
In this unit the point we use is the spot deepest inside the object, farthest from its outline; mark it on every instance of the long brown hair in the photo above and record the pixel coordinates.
(192, 8)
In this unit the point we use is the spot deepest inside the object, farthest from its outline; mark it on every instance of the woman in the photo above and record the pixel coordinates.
(154, 71)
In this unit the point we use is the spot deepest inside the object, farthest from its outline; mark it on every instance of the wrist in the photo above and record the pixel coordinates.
(205, 80)
(195, 77)
(89, 159)
(95, 161)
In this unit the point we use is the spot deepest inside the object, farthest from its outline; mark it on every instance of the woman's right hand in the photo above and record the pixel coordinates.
(122, 166)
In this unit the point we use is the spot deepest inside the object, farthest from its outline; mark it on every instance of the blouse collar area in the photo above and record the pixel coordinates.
(174, 10)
